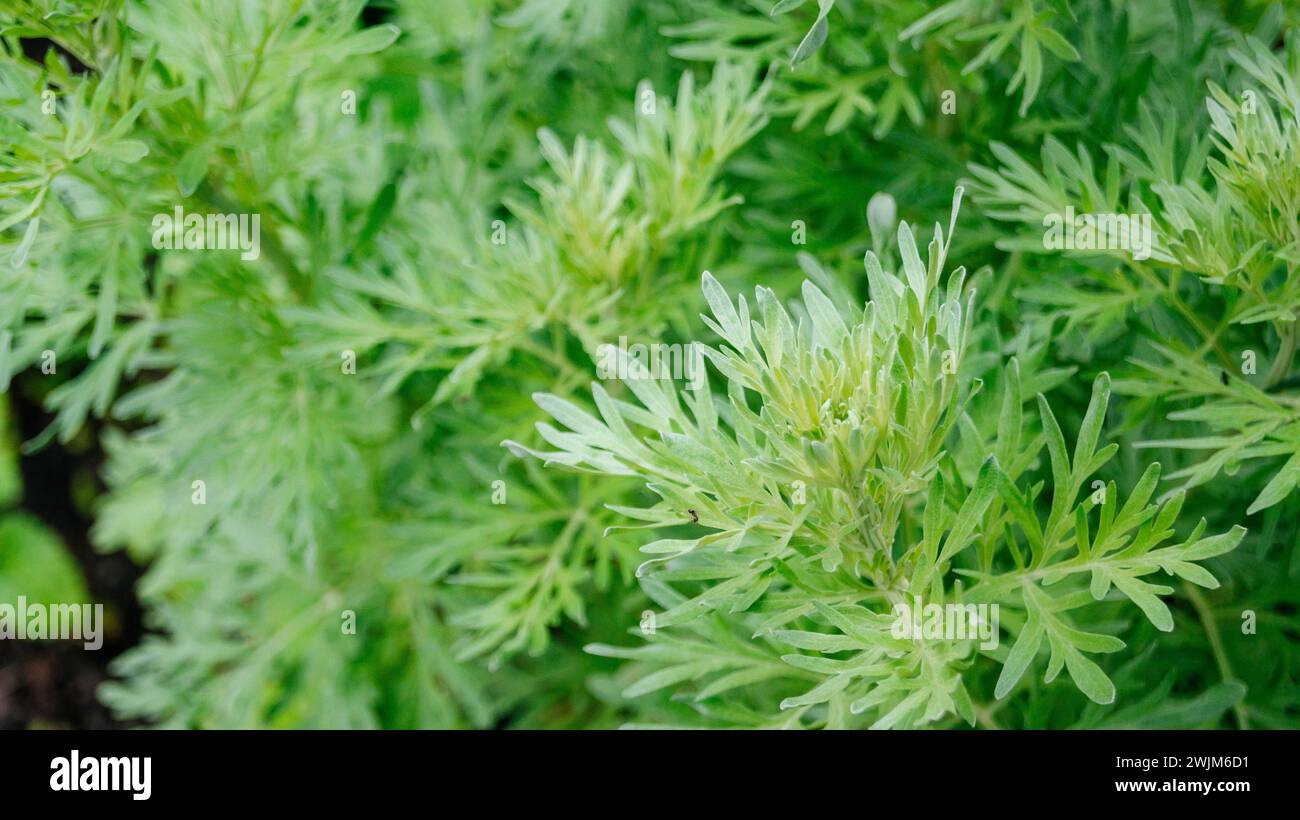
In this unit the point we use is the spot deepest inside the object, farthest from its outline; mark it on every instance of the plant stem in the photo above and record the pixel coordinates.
(1285, 353)
(1211, 628)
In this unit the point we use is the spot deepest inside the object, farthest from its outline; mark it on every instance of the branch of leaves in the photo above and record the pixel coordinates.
(708, 651)
(1025, 24)
(909, 683)
(1112, 559)
(1245, 423)
(1122, 549)
(1124, 569)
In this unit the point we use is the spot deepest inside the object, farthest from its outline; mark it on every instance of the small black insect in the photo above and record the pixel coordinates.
(1223, 377)
(694, 516)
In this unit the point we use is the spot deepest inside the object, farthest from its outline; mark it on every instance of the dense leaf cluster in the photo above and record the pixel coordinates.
(469, 208)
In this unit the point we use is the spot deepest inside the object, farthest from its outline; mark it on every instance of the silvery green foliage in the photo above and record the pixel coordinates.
(818, 495)
(522, 181)
(1237, 230)
(274, 493)
(853, 60)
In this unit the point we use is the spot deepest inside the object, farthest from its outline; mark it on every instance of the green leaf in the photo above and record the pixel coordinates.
(35, 564)
(1279, 487)
(1144, 595)
(193, 167)
(912, 267)
(972, 510)
(1089, 678)
(1020, 657)
(816, 35)
(1058, 45)
(1090, 428)
(371, 40)
(725, 312)
(827, 324)
(1061, 483)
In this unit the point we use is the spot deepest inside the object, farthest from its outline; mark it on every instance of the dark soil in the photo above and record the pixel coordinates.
(52, 684)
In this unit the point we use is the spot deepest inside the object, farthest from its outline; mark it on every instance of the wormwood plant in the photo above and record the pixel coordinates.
(466, 203)
(1240, 234)
(829, 498)
(272, 483)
